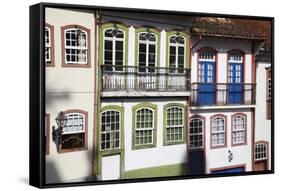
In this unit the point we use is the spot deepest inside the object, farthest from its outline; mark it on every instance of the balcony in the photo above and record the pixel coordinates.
(144, 81)
(222, 94)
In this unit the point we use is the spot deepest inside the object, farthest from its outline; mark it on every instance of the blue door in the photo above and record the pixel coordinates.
(235, 86)
(206, 89)
(230, 170)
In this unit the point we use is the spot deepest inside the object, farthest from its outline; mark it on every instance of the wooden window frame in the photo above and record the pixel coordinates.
(63, 48)
(266, 151)
(113, 40)
(225, 132)
(51, 63)
(245, 128)
(165, 118)
(153, 108)
(101, 132)
(85, 147)
(203, 119)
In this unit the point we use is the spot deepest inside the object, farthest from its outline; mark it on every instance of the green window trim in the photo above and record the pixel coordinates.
(165, 108)
(187, 48)
(158, 40)
(136, 108)
(105, 26)
(120, 150)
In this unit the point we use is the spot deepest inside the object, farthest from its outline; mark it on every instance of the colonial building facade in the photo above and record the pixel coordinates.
(148, 95)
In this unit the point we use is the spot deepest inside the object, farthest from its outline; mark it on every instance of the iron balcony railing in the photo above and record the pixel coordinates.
(137, 78)
(204, 94)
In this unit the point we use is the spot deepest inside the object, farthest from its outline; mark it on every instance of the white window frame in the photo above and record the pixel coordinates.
(114, 39)
(181, 126)
(144, 129)
(76, 47)
(111, 146)
(48, 45)
(74, 131)
(260, 153)
(192, 134)
(147, 43)
(177, 45)
(205, 56)
(237, 131)
(234, 57)
(218, 132)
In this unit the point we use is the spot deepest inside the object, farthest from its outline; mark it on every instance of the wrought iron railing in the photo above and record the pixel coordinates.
(137, 78)
(203, 94)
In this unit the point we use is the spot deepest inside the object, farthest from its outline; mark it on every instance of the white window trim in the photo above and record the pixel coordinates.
(101, 132)
(114, 39)
(177, 45)
(218, 132)
(75, 132)
(264, 158)
(175, 126)
(239, 130)
(76, 47)
(141, 129)
(147, 43)
(48, 45)
(190, 134)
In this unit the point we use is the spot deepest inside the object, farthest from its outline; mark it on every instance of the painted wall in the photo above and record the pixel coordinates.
(69, 88)
(150, 157)
(218, 158)
(263, 125)
(222, 45)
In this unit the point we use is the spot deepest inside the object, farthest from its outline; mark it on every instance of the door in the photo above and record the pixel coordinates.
(196, 146)
(235, 86)
(261, 165)
(111, 167)
(207, 83)
(229, 170)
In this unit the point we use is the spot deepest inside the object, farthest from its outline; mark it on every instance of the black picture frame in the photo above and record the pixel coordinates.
(37, 95)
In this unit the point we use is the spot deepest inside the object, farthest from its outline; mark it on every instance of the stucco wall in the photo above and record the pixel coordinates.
(218, 157)
(263, 125)
(69, 88)
(150, 157)
(222, 46)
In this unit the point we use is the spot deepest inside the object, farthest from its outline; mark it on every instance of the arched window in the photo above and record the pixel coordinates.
(218, 131)
(147, 42)
(110, 129)
(114, 52)
(174, 124)
(238, 129)
(177, 45)
(206, 67)
(144, 126)
(74, 132)
(49, 45)
(235, 66)
(196, 133)
(76, 46)
(261, 151)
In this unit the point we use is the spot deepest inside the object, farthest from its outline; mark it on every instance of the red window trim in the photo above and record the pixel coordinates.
(52, 48)
(85, 113)
(246, 131)
(63, 64)
(225, 132)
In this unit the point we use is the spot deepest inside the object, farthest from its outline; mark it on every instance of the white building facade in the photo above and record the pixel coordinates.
(144, 97)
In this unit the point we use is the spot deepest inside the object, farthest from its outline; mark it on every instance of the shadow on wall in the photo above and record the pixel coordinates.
(55, 97)
(52, 173)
